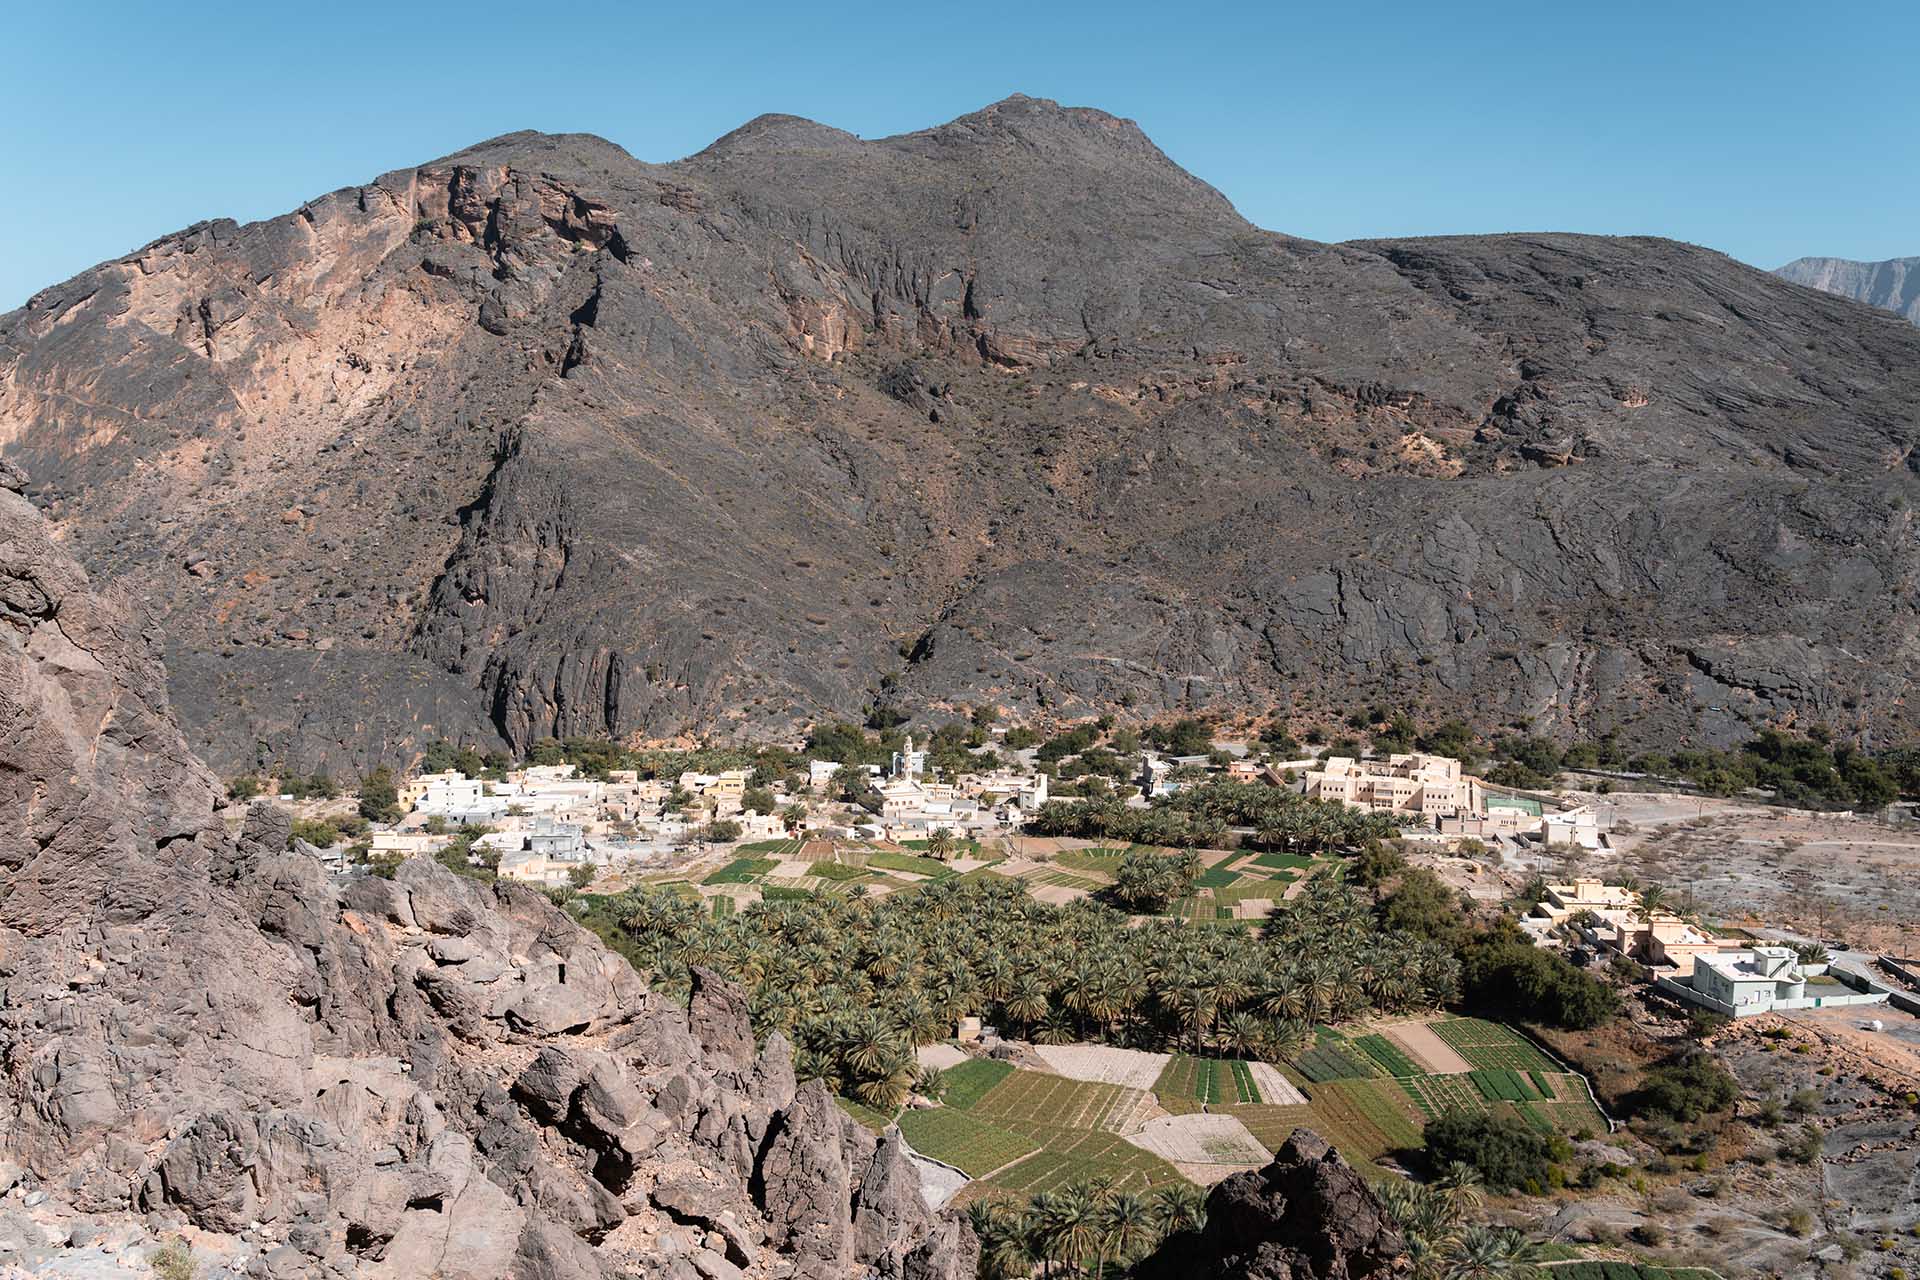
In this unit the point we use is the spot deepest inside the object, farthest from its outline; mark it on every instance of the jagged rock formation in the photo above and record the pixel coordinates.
(1306, 1216)
(408, 1077)
(540, 439)
(1893, 285)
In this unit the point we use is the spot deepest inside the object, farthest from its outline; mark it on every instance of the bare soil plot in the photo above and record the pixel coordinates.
(1057, 895)
(943, 1056)
(1103, 1064)
(1253, 908)
(1275, 1089)
(1201, 1139)
(1433, 1054)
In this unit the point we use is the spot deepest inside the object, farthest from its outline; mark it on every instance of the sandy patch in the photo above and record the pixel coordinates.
(941, 1056)
(939, 1183)
(1274, 1088)
(1253, 908)
(791, 869)
(1058, 895)
(1103, 1064)
(964, 865)
(1201, 1139)
(1421, 1043)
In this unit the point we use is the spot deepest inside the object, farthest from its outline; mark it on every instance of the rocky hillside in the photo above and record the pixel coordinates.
(1893, 285)
(540, 439)
(411, 1077)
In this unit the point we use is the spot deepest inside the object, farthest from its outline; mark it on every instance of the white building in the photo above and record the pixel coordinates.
(1764, 980)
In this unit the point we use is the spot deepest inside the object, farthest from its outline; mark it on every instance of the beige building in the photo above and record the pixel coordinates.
(1429, 786)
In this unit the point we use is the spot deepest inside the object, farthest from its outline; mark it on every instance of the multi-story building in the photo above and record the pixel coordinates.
(1429, 786)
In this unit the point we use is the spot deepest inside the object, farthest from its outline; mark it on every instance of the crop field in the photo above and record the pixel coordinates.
(973, 1079)
(908, 863)
(1069, 1155)
(1250, 889)
(963, 844)
(1063, 880)
(1435, 1094)
(1388, 1055)
(1385, 1106)
(964, 1141)
(771, 848)
(1271, 1125)
(837, 871)
(1028, 1098)
(1330, 1059)
(1217, 877)
(1490, 1045)
(1186, 1083)
(874, 1120)
(1100, 861)
(1504, 1086)
(721, 905)
(742, 871)
(1283, 862)
(1339, 1120)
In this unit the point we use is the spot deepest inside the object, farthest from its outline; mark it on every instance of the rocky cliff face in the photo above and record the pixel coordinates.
(1306, 1216)
(539, 439)
(1893, 285)
(412, 1077)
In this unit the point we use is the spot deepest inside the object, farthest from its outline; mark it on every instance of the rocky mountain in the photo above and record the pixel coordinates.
(200, 1032)
(539, 439)
(1893, 285)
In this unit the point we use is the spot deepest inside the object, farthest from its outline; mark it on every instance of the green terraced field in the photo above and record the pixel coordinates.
(1027, 1098)
(1271, 1124)
(874, 1120)
(1383, 1104)
(1071, 1155)
(964, 1141)
(1490, 1045)
(906, 862)
(1503, 1086)
(1388, 1055)
(772, 848)
(1436, 1094)
(1063, 880)
(1330, 1060)
(1283, 862)
(741, 871)
(1187, 1083)
(1216, 877)
(837, 871)
(972, 1080)
(721, 905)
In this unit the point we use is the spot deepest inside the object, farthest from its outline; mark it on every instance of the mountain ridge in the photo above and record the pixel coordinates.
(1892, 284)
(540, 439)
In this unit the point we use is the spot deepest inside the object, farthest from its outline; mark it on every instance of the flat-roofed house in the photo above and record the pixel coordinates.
(1429, 786)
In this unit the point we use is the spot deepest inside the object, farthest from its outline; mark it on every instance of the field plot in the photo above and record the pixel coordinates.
(1274, 1087)
(1282, 862)
(1101, 861)
(1061, 879)
(1490, 1045)
(1362, 1116)
(1069, 1155)
(1571, 1107)
(1216, 877)
(1198, 1139)
(1333, 1058)
(1504, 1086)
(874, 1120)
(907, 862)
(770, 848)
(1102, 1064)
(971, 1081)
(1388, 1055)
(1272, 1125)
(964, 1141)
(1027, 1098)
(1435, 1094)
(742, 871)
(1428, 1051)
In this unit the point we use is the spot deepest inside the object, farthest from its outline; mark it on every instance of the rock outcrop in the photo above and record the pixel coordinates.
(537, 439)
(1306, 1216)
(1893, 285)
(421, 1076)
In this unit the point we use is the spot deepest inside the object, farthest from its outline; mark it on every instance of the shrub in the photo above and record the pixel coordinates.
(244, 787)
(1687, 1089)
(1507, 971)
(379, 797)
(1507, 1152)
(173, 1261)
(317, 832)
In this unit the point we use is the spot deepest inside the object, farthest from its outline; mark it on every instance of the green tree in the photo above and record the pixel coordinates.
(379, 796)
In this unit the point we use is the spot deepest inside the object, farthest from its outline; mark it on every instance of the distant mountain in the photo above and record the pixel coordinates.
(1893, 285)
(540, 439)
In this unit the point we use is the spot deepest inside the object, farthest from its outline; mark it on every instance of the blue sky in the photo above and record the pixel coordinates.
(1766, 130)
